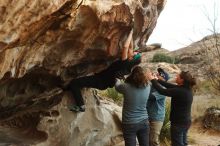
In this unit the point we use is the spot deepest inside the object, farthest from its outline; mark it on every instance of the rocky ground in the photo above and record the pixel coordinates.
(203, 137)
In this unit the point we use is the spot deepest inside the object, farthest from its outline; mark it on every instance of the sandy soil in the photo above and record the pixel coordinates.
(203, 137)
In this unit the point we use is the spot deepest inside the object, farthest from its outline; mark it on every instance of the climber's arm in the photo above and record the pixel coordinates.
(127, 46)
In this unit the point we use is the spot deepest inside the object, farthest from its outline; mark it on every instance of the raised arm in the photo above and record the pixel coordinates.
(153, 78)
(127, 46)
(166, 84)
(131, 46)
(167, 92)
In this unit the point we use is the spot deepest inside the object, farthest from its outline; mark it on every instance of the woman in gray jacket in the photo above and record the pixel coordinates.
(134, 113)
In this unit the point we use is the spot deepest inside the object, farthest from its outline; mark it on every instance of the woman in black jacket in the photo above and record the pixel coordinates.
(181, 102)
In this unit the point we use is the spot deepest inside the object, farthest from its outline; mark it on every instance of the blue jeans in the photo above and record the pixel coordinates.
(179, 134)
(139, 130)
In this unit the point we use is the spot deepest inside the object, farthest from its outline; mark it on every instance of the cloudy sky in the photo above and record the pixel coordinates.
(184, 21)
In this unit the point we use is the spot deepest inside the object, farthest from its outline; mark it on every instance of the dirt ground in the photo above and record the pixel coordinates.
(198, 136)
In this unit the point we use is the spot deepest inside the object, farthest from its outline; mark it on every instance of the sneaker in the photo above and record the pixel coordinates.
(75, 108)
(82, 108)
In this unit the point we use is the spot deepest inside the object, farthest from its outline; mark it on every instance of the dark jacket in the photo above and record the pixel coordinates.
(181, 101)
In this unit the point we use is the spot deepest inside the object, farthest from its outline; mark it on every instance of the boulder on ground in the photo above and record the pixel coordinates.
(212, 118)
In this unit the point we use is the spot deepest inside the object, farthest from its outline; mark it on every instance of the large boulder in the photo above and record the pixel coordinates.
(59, 34)
(212, 118)
(44, 44)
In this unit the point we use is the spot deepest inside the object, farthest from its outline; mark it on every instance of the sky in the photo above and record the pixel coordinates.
(183, 22)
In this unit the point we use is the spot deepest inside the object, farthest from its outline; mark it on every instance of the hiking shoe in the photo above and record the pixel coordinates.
(75, 108)
(82, 108)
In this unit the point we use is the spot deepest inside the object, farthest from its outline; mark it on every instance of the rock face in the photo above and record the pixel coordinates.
(60, 34)
(98, 126)
(43, 44)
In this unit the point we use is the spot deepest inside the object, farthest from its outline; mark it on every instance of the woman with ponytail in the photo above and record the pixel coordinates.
(181, 102)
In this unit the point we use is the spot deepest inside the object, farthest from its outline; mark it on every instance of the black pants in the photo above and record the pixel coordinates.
(93, 81)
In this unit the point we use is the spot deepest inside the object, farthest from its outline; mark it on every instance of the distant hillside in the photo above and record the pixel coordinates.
(197, 50)
(199, 56)
(149, 55)
(193, 58)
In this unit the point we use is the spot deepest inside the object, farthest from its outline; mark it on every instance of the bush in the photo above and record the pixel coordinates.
(161, 57)
(113, 94)
(165, 136)
(204, 87)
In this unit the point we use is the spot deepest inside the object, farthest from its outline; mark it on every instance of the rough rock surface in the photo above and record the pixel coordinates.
(212, 118)
(60, 34)
(45, 43)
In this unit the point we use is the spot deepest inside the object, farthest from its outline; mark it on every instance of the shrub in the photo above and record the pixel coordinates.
(165, 131)
(161, 57)
(204, 87)
(113, 94)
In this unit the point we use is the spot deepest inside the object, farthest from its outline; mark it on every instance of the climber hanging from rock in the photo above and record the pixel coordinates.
(107, 77)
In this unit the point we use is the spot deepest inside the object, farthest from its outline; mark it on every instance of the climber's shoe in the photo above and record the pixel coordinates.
(75, 108)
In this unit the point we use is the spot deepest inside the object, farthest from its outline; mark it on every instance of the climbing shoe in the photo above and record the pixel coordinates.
(75, 108)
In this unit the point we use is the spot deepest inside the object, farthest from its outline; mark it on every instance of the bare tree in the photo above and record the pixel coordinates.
(210, 47)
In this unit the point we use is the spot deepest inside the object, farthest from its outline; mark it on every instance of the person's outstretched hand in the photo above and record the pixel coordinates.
(160, 77)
